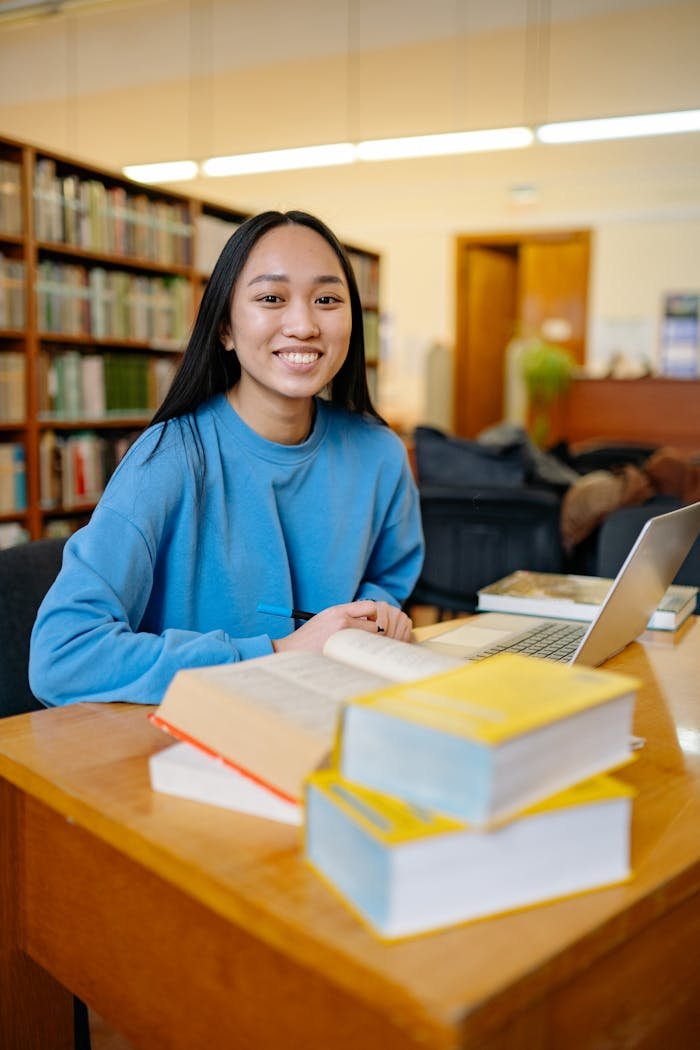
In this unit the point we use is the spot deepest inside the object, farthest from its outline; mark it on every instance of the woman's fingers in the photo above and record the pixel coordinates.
(364, 615)
(393, 622)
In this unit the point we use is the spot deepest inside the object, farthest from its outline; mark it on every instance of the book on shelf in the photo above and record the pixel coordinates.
(12, 386)
(366, 269)
(192, 773)
(12, 293)
(406, 870)
(13, 480)
(274, 717)
(74, 468)
(76, 300)
(10, 197)
(485, 740)
(212, 234)
(86, 213)
(370, 326)
(101, 386)
(570, 597)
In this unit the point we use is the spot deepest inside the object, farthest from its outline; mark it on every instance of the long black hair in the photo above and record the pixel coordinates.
(207, 369)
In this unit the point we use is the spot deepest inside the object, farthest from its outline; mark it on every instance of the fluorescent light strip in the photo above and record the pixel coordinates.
(443, 145)
(377, 149)
(420, 146)
(620, 127)
(281, 160)
(167, 171)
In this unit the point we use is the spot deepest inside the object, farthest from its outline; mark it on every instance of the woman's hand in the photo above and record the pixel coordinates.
(365, 615)
(392, 622)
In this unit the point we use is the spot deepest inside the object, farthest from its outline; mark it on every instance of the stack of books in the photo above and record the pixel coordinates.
(452, 792)
(473, 792)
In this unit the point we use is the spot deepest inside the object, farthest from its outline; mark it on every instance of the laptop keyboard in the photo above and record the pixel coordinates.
(552, 640)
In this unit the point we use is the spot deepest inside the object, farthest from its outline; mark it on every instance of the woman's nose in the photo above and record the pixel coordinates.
(299, 321)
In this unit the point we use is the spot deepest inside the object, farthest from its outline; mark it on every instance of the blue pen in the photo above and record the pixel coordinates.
(281, 610)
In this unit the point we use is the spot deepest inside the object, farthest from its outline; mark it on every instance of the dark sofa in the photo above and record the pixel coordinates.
(490, 508)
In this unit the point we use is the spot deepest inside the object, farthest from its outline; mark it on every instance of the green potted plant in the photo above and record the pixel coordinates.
(547, 370)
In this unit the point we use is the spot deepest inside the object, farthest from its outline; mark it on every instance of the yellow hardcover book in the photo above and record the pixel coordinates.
(406, 870)
(489, 738)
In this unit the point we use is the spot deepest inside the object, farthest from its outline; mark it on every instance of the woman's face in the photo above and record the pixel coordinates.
(290, 316)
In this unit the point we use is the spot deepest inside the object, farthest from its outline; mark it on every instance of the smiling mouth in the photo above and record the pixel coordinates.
(299, 357)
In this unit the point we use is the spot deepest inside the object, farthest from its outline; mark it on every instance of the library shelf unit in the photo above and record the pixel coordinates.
(99, 280)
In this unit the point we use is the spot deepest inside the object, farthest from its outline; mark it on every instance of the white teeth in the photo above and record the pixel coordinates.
(299, 359)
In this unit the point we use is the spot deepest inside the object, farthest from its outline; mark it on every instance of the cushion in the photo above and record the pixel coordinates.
(445, 460)
(588, 502)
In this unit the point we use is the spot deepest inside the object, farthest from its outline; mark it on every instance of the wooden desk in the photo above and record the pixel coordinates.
(189, 927)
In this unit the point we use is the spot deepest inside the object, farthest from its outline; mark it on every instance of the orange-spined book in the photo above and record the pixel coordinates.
(274, 718)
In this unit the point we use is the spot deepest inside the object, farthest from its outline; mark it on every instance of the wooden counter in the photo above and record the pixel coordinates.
(651, 411)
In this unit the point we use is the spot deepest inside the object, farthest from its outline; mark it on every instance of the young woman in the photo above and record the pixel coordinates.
(248, 488)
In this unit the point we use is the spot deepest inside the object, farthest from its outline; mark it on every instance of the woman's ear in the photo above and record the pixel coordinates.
(226, 337)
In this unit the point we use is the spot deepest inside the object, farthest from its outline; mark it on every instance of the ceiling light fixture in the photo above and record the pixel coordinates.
(374, 149)
(619, 127)
(281, 160)
(166, 171)
(444, 145)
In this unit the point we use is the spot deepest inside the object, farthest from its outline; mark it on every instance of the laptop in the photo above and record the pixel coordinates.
(648, 570)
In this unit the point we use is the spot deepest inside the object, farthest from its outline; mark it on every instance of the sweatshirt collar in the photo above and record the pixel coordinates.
(271, 450)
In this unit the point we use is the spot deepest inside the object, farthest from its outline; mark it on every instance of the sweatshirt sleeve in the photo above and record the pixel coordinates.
(86, 644)
(397, 556)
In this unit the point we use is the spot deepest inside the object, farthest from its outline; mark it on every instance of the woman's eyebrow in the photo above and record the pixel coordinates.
(325, 278)
(268, 277)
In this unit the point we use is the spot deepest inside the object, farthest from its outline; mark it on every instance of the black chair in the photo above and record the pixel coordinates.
(26, 573)
(475, 535)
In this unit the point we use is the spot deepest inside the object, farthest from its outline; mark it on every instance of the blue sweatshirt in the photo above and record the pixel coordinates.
(189, 538)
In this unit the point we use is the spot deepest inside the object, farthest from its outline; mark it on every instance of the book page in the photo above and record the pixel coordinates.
(399, 661)
(303, 688)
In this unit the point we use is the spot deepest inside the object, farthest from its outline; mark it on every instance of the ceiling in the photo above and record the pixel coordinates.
(131, 82)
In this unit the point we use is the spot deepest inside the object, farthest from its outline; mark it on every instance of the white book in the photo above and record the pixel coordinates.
(92, 386)
(189, 772)
(570, 597)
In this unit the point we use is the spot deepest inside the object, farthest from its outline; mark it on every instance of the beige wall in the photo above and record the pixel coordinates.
(126, 85)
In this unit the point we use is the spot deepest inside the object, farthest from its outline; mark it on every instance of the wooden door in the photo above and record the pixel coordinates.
(508, 283)
(554, 283)
(487, 292)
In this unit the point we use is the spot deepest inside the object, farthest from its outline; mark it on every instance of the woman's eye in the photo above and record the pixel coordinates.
(327, 300)
(270, 299)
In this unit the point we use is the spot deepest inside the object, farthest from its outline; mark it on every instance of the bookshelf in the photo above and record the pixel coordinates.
(99, 280)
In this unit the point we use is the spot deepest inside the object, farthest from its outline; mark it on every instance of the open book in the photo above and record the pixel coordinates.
(274, 718)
